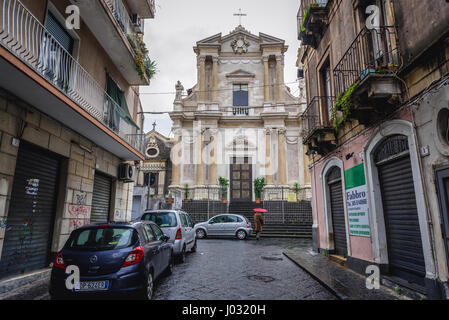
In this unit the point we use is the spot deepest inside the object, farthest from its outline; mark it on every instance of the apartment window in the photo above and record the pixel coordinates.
(57, 48)
(325, 74)
(59, 33)
(116, 107)
(240, 95)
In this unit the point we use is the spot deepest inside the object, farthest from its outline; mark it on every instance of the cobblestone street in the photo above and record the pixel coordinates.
(241, 270)
(224, 269)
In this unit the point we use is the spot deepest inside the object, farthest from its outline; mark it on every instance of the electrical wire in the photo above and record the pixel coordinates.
(218, 90)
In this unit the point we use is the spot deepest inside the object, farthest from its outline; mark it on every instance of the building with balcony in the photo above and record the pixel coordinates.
(239, 122)
(70, 121)
(376, 135)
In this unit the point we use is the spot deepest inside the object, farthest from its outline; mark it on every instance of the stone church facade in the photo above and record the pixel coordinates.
(153, 175)
(239, 122)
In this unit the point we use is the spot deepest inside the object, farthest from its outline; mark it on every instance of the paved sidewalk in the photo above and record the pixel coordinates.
(343, 282)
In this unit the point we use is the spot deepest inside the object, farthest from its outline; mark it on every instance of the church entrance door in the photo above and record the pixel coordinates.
(241, 180)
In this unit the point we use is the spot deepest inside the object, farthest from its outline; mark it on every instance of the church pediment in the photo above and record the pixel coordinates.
(240, 74)
(215, 39)
(240, 32)
(267, 39)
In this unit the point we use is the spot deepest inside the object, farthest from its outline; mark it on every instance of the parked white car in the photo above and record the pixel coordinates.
(178, 226)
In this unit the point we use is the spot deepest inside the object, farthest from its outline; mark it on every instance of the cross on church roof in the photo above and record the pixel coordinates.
(240, 15)
(154, 126)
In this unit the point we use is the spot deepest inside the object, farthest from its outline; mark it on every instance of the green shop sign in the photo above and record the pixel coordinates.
(357, 201)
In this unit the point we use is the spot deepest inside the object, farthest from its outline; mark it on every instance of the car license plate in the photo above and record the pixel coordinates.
(92, 286)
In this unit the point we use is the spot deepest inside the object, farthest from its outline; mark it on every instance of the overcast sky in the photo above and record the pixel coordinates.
(179, 24)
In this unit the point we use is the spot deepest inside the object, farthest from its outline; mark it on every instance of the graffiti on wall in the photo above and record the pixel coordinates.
(32, 187)
(77, 223)
(79, 213)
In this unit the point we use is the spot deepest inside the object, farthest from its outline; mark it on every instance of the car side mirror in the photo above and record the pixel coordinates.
(165, 238)
(211, 222)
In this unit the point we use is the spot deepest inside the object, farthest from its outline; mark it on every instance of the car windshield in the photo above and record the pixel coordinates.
(99, 239)
(162, 219)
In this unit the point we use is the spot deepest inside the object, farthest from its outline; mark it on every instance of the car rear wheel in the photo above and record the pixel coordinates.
(200, 234)
(182, 256)
(241, 235)
(194, 247)
(149, 287)
(171, 264)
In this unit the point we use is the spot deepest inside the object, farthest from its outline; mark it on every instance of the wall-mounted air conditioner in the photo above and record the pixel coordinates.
(126, 172)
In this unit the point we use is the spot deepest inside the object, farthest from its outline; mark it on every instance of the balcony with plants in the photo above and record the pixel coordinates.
(113, 25)
(312, 21)
(366, 80)
(318, 130)
(78, 101)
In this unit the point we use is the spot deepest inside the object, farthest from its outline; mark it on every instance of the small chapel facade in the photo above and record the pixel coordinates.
(239, 122)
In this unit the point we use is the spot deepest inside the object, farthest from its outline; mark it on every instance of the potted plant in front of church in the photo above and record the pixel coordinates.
(224, 183)
(186, 191)
(297, 189)
(259, 184)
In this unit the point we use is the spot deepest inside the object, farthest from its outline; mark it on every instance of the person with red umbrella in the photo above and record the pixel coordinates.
(258, 221)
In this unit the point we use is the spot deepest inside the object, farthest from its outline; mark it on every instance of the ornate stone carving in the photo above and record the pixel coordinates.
(282, 131)
(152, 148)
(240, 45)
(179, 89)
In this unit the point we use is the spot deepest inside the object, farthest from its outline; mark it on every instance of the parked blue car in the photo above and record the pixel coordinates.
(113, 259)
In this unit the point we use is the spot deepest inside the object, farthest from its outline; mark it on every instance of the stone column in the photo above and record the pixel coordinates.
(266, 79)
(176, 157)
(269, 160)
(202, 78)
(215, 78)
(213, 174)
(161, 183)
(199, 157)
(280, 78)
(282, 157)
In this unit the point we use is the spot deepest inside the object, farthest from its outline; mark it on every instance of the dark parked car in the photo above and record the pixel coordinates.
(113, 258)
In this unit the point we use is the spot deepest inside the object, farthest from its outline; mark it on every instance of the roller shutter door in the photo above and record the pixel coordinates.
(405, 252)
(101, 199)
(338, 218)
(32, 209)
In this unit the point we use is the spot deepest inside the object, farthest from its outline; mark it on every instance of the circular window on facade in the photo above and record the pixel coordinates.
(443, 126)
(152, 152)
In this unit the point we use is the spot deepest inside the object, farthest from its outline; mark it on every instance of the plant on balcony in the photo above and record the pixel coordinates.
(224, 183)
(259, 184)
(314, 4)
(144, 65)
(303, 28)
(344, 104)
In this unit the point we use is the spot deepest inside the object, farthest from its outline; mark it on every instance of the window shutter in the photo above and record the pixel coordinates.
(59, 33)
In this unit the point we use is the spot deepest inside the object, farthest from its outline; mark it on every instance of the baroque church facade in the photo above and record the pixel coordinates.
(239, 122)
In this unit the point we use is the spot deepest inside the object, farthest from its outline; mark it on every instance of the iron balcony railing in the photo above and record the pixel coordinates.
(318, 115)
(121, 15)
(24, 36)
(240, 111)
(304, 10)
(374, 51)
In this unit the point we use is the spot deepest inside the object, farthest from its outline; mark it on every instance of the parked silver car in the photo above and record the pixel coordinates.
(178, 226)
(225, 225)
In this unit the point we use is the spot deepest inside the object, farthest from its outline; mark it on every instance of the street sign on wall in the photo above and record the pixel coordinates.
(357, 201)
